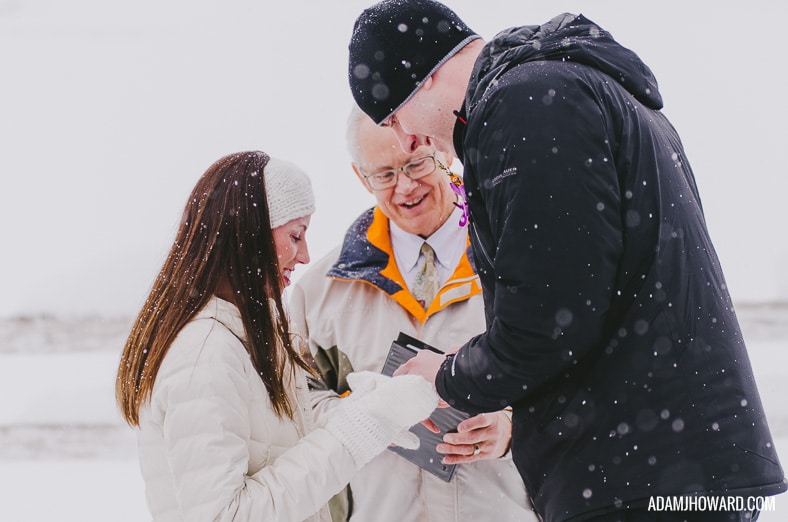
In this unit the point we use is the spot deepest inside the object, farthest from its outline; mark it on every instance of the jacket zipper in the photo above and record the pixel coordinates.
(481, 247)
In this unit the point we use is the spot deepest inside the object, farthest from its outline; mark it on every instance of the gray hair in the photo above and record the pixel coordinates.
(352, 130)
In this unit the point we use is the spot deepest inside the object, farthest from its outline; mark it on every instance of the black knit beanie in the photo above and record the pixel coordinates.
(396, 45)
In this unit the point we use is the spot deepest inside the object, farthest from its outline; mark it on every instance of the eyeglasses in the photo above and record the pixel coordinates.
(416, 169)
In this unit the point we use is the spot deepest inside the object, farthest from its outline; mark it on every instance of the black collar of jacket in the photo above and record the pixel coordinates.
(458, 135)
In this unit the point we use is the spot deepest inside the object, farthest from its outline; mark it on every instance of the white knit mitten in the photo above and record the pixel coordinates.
(379, 411)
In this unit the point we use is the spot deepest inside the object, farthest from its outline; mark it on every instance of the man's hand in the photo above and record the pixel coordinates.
(490, 432)
(426, 363)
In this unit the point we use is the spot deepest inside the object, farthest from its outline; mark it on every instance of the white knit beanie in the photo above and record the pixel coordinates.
(289, 192)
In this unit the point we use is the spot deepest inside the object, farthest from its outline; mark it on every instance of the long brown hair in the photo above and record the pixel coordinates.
(225, 236)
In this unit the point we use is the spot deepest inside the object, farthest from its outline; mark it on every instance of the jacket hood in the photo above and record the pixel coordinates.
(570, 38)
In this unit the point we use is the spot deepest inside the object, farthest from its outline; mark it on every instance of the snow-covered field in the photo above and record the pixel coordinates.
(66, 455)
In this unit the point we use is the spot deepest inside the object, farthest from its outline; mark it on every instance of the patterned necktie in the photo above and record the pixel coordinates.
(426, 284)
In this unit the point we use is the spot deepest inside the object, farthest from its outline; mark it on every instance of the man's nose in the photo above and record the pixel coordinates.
(408, 142)
(404, 184)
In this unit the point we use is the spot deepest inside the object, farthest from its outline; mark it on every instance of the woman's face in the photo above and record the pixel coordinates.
(291, 248)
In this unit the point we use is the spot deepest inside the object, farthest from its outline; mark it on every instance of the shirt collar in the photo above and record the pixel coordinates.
(448, 242)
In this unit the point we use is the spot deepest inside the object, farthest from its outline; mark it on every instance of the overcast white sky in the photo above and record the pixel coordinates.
(110, 111)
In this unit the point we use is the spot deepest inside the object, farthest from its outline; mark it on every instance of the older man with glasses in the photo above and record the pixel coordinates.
(404, 267)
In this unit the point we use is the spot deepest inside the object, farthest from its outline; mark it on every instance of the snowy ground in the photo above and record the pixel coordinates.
(65, 454)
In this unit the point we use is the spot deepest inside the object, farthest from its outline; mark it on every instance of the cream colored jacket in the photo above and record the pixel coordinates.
(350, 319)
(211, 446)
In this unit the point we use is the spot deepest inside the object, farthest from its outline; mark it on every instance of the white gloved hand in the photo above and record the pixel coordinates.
(379, 411)
(362, 383)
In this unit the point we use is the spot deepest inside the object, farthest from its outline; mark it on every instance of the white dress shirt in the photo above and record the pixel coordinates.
(448, 242)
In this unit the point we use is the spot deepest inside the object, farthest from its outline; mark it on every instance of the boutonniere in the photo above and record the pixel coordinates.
(457, 186)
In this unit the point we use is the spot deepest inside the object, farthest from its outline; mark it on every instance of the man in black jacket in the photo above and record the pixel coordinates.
(610, 330)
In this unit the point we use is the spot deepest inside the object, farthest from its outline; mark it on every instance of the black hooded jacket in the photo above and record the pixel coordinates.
(609, 326)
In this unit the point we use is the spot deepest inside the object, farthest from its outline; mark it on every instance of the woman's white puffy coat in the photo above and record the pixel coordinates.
(211, 446)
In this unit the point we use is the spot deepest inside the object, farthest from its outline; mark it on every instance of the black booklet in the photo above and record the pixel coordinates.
(446, 419)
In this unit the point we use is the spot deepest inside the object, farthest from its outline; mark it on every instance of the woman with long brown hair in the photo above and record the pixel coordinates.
(211, 376)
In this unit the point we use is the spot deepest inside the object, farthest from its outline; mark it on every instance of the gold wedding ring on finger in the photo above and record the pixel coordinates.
(476, 449)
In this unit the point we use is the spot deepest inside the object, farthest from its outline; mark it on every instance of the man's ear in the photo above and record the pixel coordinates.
(361, 178)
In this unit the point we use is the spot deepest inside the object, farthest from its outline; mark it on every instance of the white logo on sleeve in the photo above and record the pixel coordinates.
(508, 172)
